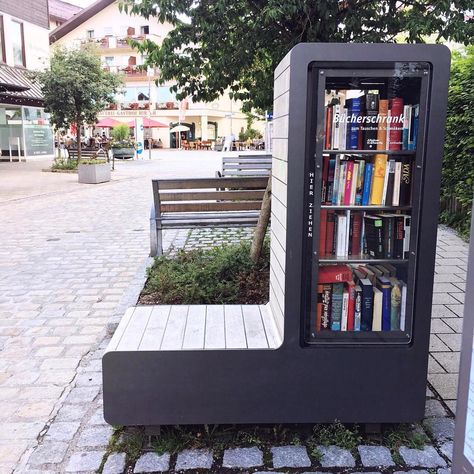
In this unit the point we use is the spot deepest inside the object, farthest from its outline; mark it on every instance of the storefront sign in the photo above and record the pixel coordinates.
(38, 140)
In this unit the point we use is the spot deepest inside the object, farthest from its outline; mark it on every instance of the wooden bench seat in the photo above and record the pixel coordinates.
(88, 153)
(245, 165)
(204, 202)
(195, 327)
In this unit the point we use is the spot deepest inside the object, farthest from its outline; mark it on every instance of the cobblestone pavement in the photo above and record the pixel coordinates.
(69, 264)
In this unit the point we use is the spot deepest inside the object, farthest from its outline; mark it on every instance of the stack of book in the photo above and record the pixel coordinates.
(351, 181)
(360, 298)
(356, 233)
(368, 122)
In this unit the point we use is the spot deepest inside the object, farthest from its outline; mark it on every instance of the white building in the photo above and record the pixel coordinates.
(103, 23)
(24, 127)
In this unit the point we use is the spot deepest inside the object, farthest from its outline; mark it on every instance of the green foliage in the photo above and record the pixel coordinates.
(411, 436)
(221, 275)
(75, 87)
(121, 135)
(335, 434)
(62, 164)
(458, 163)
(236, 45)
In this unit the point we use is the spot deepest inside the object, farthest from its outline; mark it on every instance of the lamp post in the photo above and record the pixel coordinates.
(149, 112)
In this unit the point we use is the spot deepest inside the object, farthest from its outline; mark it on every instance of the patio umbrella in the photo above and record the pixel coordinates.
(107, 123)
(148, 123)
(180, 128)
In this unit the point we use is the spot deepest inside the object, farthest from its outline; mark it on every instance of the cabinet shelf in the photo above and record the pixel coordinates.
(371, 152)
(365, 208)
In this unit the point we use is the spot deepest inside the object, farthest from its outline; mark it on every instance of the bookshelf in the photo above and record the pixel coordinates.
(363, 203)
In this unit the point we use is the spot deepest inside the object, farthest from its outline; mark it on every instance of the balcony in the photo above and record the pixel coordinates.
(119, 42)
(131, 71)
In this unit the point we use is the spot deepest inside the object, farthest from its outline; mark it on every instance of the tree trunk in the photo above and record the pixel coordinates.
(262, 224)
(78, 141)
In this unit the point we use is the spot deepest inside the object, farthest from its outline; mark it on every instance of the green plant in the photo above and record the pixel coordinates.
(93, 161)
(405, 435)
(121, 136)
(336, 434)
(223, 274)
(458, 163)
(62, 164)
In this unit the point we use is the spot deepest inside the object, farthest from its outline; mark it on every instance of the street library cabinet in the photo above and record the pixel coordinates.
(357, 150)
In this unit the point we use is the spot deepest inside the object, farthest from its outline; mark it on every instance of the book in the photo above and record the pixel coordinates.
(355, 173)
(323, 222)
(388, 231)
(326, 307)
(356, 233)
(405, 182)
(377, 310)
(385, 287)
(348, 183)
(406, 236)
(385, 182)
(345, 309)
(374, 236)
(357, 307)
(324, 181)
(399, 234)
(353, 126)
(388, 195)
(346, 234)
(406, 126)
(370, 129)
(327, 142)
(380, 164)
(330, 180)
(391, 270)
(341, 235)
(351, 289)
(367, 304)
(403, 305)
(382, 126)
(396, 184)
(336, 306)
(334, 274)
(396, 124)
(415, 113)
(396, 298)
(360, 183)
(335, 127)
(337, 170)
(319, 307)
(342, 181)
(367, 184)
(330, 223)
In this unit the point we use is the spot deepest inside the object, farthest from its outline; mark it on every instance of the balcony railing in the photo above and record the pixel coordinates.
(131, 71)
(117, 42)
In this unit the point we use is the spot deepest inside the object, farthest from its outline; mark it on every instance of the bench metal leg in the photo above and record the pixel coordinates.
(159, 241)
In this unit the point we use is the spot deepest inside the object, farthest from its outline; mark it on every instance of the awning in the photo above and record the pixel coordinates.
(17, 88)
(148, 123)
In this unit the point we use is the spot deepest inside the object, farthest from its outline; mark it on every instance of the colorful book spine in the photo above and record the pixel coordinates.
(396, 185)
(360, 183)
(354, 111)
(345, 310)
(367, 304)
(386, 289)
(331, 217)
(319, 307)
(336, 306)
(415, 113)
(330, 183)
(380, 165)
(396, 124)
(326, 307)
(357, 308)
(396, 299)
(348, 183)
(382, 126)
(322, 231)
(351, 288)
(337, 171)
(406, 126)
(335, 127)
(370, 129)
(405, 182)
(367, 184)
(327, 143)
(334, 274)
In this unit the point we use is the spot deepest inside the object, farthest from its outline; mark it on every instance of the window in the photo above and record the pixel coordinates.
(2, 41)
(18, 43)
(109, 60)
(90, 34)
(108, 31)
(144, 30)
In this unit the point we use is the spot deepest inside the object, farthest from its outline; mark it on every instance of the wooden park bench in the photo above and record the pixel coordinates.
(88, 153)
(245, 165)
(204, 202)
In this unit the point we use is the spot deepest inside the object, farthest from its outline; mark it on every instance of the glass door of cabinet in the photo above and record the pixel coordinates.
(363, 195)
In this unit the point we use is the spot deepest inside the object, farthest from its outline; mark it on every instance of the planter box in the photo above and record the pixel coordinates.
(123, 153)
(94, 174)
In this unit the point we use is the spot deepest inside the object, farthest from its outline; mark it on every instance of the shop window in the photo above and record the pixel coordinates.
(144, 30)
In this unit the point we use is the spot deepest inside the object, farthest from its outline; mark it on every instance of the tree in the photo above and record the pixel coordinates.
(76, 88)
(219, 45)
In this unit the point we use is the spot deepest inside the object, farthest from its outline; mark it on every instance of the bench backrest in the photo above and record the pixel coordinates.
(214, 194)
(246, 165)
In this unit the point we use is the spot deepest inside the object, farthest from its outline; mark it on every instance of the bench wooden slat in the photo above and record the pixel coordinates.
(215, 330)
(250, 161)
(254, 328)
(249, 173)
(195, 327)
(218, 223)
(204, 216)
(155, 328)
(234, 327)
(213, 183)
(244, 166)
(135, 329)
(114, 342)
(212, 206)
(241, 195)
(271, 329)
(174, 332)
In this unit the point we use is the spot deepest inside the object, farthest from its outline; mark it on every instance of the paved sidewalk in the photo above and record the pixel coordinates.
(70, 261)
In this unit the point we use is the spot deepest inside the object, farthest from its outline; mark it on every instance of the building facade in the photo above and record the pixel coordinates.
(103, 24)
(24, 126)
(60, 12)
